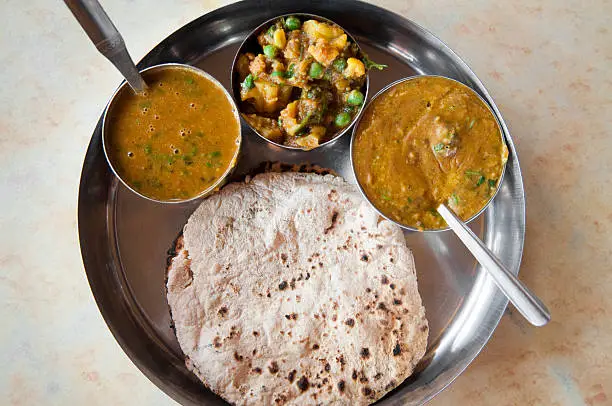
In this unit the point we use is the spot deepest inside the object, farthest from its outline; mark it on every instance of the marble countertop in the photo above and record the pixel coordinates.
(548, 66)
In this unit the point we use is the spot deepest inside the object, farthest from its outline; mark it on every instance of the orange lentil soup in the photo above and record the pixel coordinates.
(177, 139)
(427, 141)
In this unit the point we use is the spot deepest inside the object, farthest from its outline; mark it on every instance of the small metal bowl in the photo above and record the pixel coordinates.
(250, 44)
(356, 129)
(124, 87)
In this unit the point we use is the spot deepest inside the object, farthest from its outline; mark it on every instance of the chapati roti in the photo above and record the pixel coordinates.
(289, 289)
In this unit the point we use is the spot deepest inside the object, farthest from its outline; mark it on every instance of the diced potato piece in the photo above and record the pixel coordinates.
(339, 43)
(269, 92)
(307, 142)
(315, 29)
(264, 96)
(279, 38)
(265, 126)
(354, 68)
(288, 118)
(323, 52)
(292, 51)
(317, 131)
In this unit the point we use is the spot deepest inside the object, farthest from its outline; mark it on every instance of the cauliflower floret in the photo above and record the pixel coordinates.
(354, 68)
(323, 52)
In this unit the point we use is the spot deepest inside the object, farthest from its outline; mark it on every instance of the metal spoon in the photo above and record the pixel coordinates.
(521, 297)
(106, 37)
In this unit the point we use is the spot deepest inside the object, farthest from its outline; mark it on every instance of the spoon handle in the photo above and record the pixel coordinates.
(521, 297)
(104, 35)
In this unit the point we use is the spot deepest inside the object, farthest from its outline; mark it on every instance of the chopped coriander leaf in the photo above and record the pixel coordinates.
(370, 64)
(480, 180)
(472, 123)
(492, 183)
(455, 199)
(385, 196)
(438, 147)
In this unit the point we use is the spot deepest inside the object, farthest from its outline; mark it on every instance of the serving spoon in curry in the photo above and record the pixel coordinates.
(525, 301)
(107, 39)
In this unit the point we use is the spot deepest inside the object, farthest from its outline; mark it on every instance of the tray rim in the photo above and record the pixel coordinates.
(483, 279)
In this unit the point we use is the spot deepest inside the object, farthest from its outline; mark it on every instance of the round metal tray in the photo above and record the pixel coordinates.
(124, 238)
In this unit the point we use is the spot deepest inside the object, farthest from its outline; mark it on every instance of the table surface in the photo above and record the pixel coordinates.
(547, 64)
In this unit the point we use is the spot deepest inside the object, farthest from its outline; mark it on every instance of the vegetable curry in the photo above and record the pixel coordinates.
(306, 85)
(427, 141)
(177, 139)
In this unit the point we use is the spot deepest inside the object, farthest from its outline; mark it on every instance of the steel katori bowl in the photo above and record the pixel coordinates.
(250, 44)
(124, 87)
(356, 132)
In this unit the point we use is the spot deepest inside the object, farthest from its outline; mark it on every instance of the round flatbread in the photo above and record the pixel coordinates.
(290, 289)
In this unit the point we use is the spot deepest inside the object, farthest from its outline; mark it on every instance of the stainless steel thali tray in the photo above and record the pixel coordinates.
(124, 238)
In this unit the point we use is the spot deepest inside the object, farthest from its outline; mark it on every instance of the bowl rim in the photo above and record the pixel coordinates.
(354, 135)
(235, 83)
(172, 65)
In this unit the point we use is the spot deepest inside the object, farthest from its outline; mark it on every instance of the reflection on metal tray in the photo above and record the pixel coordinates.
(124, 238)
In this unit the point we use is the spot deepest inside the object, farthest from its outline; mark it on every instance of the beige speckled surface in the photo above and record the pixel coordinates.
(548, 66)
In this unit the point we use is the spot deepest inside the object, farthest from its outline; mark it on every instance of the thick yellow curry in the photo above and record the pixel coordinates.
(427, 141)
(177, 139)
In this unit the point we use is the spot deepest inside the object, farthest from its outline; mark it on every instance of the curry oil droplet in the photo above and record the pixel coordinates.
(176, 151)
(176, 93)
(130, 154)
(192, 105)
(161, 84)
(157, 117)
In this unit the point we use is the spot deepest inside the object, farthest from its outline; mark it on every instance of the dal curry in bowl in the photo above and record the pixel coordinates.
(300, 80)
(178, 140)
(425, 141)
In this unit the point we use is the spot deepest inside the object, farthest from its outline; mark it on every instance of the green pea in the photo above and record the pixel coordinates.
(355, 98)
(269, 51)
(292, 23)
(343, 119)
(339, 64)
(249, 82)
(316, 70)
